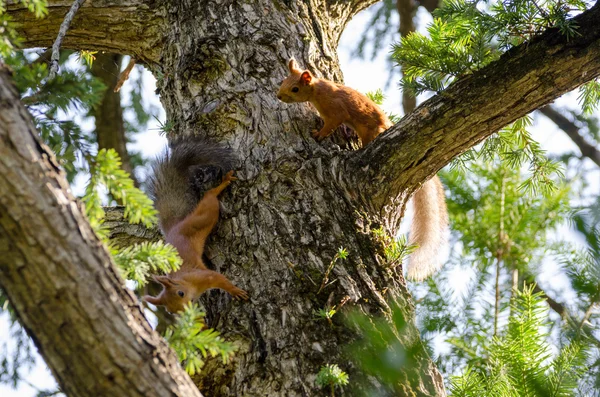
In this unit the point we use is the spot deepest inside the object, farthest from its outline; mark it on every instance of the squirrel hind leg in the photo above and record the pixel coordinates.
(367, 134)
(205, 177)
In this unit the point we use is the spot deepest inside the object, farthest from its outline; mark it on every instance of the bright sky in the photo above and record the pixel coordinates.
(362, 75)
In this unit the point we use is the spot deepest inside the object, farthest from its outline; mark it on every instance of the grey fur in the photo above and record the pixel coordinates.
(183, 173)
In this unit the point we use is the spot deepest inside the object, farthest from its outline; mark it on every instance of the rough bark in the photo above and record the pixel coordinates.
(124, 27)
(284, 219)
(110, 126)
(61, 282)
(297, 201)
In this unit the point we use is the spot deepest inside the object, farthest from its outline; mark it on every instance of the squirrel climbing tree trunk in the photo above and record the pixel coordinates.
(296, 201)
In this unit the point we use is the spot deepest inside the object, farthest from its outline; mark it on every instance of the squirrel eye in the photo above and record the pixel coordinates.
(180, 293)
(295, 89)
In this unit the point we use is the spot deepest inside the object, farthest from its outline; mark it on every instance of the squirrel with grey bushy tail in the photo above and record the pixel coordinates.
(338, 104)
(187, 214)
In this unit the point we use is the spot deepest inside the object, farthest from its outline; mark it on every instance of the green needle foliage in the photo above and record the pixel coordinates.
(589, 96)
(193, 344)
(139, 261)
(105, 169)
(520, 362)
(468, 34)
(48, 101)
(386, 350)
(9, 38)
(331, 376)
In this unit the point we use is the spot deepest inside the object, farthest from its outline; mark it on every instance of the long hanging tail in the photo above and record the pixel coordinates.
(182, 175)
(428, 230)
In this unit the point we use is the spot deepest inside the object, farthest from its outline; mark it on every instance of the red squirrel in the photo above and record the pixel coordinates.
(176, 185)
(338, 104)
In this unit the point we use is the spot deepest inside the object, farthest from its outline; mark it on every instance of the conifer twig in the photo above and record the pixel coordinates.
(124, 75)
(586, 316)
(64, 26)
(573, 131)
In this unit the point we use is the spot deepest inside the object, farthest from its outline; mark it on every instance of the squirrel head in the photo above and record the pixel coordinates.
(175, 295)
(298, 86)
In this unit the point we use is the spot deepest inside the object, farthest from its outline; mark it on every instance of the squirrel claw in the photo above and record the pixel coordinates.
(229, 177)
(239, 294)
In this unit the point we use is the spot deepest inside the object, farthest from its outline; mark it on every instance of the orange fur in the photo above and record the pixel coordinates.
(428, 230)
(188, 236)
(338, 104)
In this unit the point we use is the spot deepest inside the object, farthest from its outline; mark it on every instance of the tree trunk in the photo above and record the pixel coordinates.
(110, 126)
(61, 282)
(297, 201)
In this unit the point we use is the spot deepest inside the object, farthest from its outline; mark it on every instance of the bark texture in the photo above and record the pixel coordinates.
(298, 201)
(124, 27)
(61, 281)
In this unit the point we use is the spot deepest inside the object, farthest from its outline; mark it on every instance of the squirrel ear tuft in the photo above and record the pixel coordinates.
(293, 66)
(156, 301)
(306, 77)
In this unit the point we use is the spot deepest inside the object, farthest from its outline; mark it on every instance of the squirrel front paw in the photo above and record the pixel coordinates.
(229, 177)
(239, 293)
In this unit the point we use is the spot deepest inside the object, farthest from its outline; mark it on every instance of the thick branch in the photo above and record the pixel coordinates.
(588, 150)
(128, 27)
(61, 281)
(124, 234)
(522, 80)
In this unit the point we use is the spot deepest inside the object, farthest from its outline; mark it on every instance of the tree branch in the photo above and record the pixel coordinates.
(572, 130)
(407, 10)
(524, 79)
(131, 27)
(64, 26)
(124, 234)
(61, 281)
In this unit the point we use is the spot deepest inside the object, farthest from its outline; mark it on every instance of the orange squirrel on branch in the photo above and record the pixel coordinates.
(186, 220)
(338, 104)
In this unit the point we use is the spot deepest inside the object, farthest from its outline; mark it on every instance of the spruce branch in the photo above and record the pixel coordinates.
(470, 110)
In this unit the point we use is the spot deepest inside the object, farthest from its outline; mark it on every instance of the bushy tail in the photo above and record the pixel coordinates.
(428, 230)
(183, 173)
